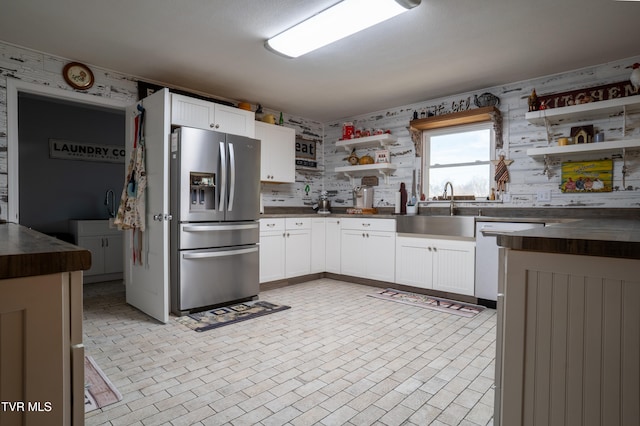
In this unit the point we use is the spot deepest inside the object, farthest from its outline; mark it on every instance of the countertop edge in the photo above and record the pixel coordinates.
(580, 247)
(25, 252)
(602, 238)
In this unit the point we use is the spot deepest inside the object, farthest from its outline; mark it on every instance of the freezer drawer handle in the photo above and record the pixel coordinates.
(207, 228)
(493, 233)
(209, 255)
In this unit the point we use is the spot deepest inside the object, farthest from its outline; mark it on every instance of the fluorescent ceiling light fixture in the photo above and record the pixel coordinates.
(335, 23)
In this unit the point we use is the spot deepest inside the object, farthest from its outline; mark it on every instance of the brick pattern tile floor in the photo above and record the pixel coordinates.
(337, 357)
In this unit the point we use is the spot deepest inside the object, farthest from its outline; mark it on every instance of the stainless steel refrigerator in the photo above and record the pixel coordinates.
(214, 204)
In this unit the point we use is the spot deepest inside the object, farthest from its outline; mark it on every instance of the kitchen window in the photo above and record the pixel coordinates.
(461, 155)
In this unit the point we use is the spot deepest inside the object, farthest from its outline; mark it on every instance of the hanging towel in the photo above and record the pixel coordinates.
(132, 209)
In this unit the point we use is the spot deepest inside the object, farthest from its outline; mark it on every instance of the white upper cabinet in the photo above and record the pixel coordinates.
(278, 152)
(192, 112)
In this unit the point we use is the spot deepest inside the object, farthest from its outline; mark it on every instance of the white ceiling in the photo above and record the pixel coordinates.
(440, 48)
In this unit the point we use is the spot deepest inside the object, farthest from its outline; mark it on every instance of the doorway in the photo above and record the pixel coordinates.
(15, 88)
(60, 175)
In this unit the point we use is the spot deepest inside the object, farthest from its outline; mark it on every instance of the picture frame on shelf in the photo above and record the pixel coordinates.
(382, 156)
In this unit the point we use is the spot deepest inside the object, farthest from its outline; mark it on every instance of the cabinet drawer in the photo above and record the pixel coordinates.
(366, 224)
(297, 223)
(271, 225)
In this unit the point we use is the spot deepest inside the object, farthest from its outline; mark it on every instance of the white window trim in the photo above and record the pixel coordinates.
(426, 152)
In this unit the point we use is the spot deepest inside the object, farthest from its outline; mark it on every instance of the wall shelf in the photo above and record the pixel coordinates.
(367, 142)
(352, 172)
(476, 115)
(586, 111)
(568, 150)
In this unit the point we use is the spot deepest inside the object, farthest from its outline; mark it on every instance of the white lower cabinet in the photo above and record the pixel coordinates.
(364, 248)
(368, 248)
(297, 247)
(318, 245)
(333, 249)
(106, 247)
(272, 245)
(285, 248)
(413, 262)
(439, 264)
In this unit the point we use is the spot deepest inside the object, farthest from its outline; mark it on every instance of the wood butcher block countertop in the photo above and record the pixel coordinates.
(25, 252)
(589, 237)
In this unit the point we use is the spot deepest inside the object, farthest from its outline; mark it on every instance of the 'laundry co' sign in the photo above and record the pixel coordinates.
(67, 150)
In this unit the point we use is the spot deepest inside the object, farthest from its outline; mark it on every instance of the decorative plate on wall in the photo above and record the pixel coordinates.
(78, 75)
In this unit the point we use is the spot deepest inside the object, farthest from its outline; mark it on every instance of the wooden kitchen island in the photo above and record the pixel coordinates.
(569, 325)
(41, 350)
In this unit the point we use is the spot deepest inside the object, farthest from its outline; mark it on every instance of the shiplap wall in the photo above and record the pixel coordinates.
(526, 173)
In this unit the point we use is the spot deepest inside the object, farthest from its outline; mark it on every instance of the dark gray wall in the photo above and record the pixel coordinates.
(52, 191)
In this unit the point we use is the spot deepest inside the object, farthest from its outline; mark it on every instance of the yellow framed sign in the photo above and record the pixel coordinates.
(587, 176)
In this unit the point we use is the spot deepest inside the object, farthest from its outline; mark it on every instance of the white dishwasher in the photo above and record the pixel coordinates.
(487, 257)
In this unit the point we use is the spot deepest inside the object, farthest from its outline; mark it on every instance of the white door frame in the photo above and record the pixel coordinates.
(14, 87)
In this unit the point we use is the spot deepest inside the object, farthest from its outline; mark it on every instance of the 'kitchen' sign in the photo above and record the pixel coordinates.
(67, 150)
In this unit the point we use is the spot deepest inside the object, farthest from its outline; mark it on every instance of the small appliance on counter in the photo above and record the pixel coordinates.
(363, 197)
(324, 205)
(362, 201)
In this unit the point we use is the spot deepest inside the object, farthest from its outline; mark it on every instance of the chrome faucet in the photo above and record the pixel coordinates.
(451, 207)
(110, 202)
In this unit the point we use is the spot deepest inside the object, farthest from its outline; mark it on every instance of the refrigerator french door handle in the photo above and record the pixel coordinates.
(209, 255)
(232, 176)
(223, 174)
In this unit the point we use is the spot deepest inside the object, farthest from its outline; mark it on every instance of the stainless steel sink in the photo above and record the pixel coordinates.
(453, 226)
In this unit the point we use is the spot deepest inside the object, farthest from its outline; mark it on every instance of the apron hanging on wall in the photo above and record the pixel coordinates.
(131, 212)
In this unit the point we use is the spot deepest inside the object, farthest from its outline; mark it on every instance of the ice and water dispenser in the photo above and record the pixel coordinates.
(203, 191)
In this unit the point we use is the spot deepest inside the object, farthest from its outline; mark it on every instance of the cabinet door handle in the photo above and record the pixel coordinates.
(106, 242)
(366, 224)
(299, 223)
(271, 225)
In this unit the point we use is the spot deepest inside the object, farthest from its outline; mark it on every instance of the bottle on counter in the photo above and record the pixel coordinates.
(403, 199)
